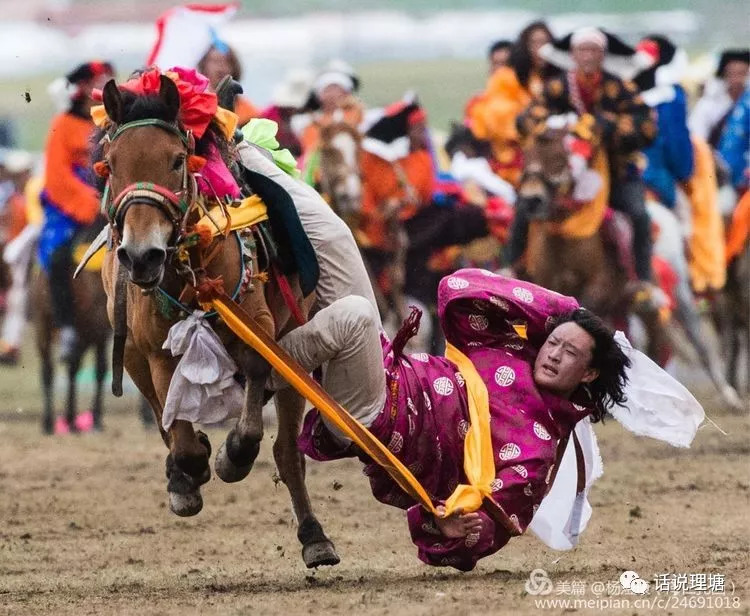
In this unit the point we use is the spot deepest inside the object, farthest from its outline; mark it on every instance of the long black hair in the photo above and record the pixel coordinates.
(607, 389)
(520, 56)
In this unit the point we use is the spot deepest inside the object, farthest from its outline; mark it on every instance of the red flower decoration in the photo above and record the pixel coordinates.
(197, 105)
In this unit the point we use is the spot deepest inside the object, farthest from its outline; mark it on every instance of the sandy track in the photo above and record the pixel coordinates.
(85, 530)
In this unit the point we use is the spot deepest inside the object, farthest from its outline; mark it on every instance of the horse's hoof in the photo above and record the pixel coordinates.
(226, 470)
(185, 505)
(195, 466)
(320, 554)
(317, 549)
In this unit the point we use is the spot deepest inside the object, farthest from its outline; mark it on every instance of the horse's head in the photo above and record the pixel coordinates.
(547, 179)
(149, 187)
(339, 167)
(461, 139)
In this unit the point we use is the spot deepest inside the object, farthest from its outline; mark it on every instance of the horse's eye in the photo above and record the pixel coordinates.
(177, 164)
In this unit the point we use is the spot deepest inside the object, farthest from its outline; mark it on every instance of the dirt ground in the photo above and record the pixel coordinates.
(85, 529)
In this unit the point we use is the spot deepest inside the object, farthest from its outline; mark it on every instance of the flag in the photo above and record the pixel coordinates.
(186, 33)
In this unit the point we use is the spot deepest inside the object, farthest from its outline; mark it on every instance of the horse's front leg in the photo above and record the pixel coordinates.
(236, 456)
(187, 462)
(317, 549)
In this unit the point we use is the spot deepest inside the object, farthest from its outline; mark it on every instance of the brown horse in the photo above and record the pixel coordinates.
(583, 267)
(735, 319)
(144, 142)
(340, 182)
(93, 332)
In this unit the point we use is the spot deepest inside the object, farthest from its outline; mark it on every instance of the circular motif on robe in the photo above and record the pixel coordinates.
(499, 302)
(527, 490)
(541, 432)
(471, 540)
(514, 517)
(463, 428)
(474, 343)
(496, 485)
(509, 451)
(505, 376)
(478, 322)
(396, 442)
(427, 401)
(524, 295)
(423, 357)
(521, 470)
(443, 385)
(460, 379)
(416, 468)
(456, 283)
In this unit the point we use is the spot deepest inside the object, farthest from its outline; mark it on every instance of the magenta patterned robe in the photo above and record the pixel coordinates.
(425, 418)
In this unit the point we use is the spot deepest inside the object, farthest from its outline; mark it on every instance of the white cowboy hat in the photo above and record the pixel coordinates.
(294, 91)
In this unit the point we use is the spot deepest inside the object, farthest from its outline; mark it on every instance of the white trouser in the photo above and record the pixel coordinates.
(346, 335)
(15, 308)
(17, 255)
(342, 271)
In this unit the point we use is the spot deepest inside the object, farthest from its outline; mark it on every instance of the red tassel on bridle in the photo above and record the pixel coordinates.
(101, 168)
(195, 163)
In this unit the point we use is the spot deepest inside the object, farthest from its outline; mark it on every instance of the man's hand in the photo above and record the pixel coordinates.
(458, 524)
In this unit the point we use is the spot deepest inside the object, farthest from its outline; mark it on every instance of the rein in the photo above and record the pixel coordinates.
(174, 205)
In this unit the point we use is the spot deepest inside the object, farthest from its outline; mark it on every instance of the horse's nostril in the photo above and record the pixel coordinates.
(154, 257)
(124, 257)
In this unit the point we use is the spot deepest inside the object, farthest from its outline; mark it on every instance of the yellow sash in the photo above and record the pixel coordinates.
(479, 464)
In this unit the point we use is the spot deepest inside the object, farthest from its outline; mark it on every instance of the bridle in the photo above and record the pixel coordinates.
(174, 205)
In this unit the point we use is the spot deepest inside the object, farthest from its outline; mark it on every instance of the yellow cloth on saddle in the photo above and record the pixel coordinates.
(739, 229)
(706, 243)
(587, 220)
(95, 263)
(479, 465)
(32, 193)
(249, 212)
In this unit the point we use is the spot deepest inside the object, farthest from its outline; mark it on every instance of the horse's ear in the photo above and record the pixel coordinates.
(112, 101)
(170, 95)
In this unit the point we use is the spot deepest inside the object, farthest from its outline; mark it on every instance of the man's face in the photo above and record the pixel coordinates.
(216, 66)
(735, 76)
(563, 361)
(588, 58)
(332, 96)
(500, 57)
(537, 39)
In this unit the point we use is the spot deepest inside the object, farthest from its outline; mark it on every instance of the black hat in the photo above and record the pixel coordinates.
(670, 63)
(620, 59)
(732, 55)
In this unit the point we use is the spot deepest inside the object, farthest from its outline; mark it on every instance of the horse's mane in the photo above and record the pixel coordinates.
(137, 107)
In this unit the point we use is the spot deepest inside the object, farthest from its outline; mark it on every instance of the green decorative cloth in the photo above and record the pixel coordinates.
(262, 132)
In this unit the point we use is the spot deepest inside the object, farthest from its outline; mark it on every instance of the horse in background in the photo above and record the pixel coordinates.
(584, 258)
(339, 181)
(566, 258)
(147, 154)
(93, 332)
